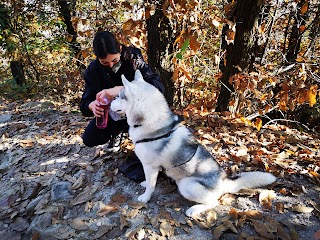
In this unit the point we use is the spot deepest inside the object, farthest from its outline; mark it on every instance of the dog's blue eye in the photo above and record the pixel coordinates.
(121, 94)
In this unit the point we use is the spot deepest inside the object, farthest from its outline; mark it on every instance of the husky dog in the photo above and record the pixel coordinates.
(163, 143)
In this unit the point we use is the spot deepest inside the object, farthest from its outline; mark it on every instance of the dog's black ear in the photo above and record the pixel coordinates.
(137, 120)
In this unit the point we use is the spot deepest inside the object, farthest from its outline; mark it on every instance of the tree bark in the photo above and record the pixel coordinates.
(160, 45)
(240, 53)
(314, 32)
(296, 35)
(16, 66)
(66, 11)
(17, 72)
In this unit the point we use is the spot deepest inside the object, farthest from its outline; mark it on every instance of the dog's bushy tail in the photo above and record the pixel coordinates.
(248, 180)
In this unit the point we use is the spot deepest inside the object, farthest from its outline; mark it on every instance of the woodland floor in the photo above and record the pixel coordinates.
(54, 187)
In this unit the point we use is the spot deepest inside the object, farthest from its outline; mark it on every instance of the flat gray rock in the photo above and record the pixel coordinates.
(5, 118)
(61, 191)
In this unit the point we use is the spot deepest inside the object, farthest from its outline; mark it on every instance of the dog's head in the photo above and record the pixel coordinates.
(138, 99)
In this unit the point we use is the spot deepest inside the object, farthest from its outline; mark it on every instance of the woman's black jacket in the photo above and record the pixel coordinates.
(98, 77)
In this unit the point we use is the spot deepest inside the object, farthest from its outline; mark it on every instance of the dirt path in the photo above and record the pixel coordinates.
(54, 187)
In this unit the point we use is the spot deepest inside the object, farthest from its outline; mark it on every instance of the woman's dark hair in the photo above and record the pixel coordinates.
(105, 43)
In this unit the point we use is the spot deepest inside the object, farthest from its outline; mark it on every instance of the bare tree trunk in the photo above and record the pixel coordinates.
(240, 53)
(160, 45)
(16, 65)
(296, 34)
(17, 72)
(314, 32)
(66, 8)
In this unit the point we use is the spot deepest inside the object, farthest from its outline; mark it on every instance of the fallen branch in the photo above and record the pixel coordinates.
(287, 120)
(257, 114)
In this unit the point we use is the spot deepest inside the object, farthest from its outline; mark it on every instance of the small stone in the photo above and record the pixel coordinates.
(20, 224)
(61, 191)
(5, 163)
(41, 221)
(5, 118)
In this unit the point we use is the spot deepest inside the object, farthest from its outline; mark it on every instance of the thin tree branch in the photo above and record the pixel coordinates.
(287, 120)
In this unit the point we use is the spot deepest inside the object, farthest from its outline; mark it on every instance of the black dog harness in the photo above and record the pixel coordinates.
(175, 123)
(167, 169)
(173, 128)
(156, 138)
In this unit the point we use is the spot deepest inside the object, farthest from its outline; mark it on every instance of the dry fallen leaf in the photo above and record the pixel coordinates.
(78, 224)
(166, 229)
(106, 209)
(119, 198)
(69, 178)
(251, 214)
(32, 190)
(123, 222)
(301, 209)
(28, 143)
(262, 229)
(20, 224)
(279, 206)
(206, 219)
(227, 199)
(230, 226)
(155, 221)
(137, 205)
(64, 233)
(218, 231)
(85, 195)
(316, 206)
(164, 214)
(248, 192)
(266, 197)
(233, 213)
(79, 182)
(133, 233)
(102, 231)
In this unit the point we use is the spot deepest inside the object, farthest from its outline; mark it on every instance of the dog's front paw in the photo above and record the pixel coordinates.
(197, 209)
(144, 198)
(143, 184)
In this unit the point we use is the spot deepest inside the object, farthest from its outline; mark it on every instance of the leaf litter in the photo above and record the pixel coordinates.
(54, 187)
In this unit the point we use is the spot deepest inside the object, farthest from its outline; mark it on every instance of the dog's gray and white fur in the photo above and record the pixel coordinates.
(162, 143)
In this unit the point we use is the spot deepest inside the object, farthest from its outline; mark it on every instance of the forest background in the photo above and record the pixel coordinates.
(244, 75)
(258, 60)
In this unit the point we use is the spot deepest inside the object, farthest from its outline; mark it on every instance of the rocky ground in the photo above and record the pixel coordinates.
(54, 187)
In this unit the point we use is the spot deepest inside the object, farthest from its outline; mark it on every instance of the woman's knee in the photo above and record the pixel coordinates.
(88, 141)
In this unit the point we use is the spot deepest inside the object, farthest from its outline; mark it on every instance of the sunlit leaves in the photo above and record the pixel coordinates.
(194, 44)
(304, 8)
(231, 32)
(312, 95)
(84, 53)
(258, 124)
(184, 47)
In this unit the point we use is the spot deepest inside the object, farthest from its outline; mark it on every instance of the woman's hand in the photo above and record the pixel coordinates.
(109, 93)
(94, 106)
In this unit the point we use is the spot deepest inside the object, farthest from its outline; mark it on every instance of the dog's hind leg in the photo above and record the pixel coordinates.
(196, 192)
(151, 174)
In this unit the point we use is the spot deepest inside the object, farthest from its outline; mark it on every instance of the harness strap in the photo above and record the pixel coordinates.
(156, 138)
(173, 128)
(167, 169)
